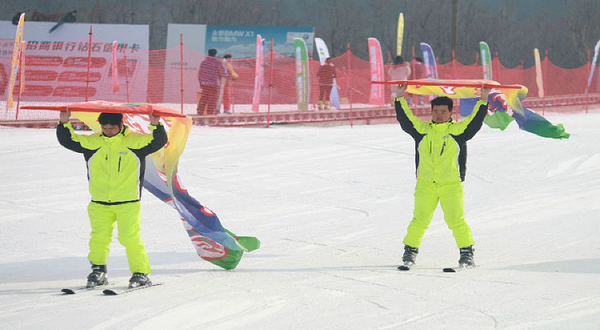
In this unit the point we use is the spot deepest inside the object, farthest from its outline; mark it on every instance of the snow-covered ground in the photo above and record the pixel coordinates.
(331, 206)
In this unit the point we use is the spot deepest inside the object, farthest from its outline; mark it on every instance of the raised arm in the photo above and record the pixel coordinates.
(472, 123)
(408, 121)
(157, 140)
(65, 134)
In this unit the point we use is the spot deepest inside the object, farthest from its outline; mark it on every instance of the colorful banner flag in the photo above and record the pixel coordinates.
(429, 62)
(377, 93)
(258, 73)
(594, 61)
(400, 35)
(15, 62)
(486, 60)
(302, 74)
(323, 52)
(211, 240)
(539, 79)
(510, 101)
(114, 69)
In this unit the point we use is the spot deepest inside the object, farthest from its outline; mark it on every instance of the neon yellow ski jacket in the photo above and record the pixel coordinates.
(440, 148)
(116, 164)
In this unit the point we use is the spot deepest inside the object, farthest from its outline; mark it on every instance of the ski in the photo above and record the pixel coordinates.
(406, 266)
(457, 269)
(111, 292)
(68, 291)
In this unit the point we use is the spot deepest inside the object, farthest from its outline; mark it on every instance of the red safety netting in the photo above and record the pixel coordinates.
(71, 72)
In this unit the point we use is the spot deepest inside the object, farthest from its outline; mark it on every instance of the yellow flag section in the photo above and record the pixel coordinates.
(400, 35)
(15, 62)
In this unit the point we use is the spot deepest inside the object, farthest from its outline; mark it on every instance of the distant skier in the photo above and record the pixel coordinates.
(70, 17)
(440, 157)
(115, 161)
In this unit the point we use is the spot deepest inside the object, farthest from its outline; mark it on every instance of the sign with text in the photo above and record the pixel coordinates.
(56, 63)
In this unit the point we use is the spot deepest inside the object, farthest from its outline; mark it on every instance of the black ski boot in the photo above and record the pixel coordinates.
(139, 279)
(410, 254)
(97, 277)
(409, 257)
(466, 257)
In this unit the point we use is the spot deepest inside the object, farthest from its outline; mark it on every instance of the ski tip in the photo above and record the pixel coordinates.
(109, 292)
(403, 268)
(67, 291)
(449, 270)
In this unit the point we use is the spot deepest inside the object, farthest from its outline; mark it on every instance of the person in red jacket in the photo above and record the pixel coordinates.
(210, 74)
(326, 74)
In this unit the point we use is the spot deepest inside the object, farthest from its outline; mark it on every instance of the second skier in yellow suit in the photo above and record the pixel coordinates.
(440, 157)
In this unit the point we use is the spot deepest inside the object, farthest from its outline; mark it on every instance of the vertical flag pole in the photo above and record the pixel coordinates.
(126, 72)
(181, 68)
(87, 81)
(349, 53)
(270, 83)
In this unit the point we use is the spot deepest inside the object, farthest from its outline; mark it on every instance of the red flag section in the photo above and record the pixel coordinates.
(111, 107)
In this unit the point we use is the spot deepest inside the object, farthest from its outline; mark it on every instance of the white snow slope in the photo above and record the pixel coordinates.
(331, 206)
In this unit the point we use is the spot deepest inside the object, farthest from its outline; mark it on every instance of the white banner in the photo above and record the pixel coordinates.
(56, 62)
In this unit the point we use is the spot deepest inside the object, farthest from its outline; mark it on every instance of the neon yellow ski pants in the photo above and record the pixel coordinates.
(427, 197)
(127, 217)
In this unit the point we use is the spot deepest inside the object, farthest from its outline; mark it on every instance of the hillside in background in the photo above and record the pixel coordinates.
(511, 28)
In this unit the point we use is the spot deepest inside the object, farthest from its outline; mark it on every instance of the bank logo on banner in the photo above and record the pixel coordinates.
(56, 63)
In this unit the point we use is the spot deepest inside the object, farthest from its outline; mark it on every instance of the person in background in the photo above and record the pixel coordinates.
(326, 74)
(115, 161)
(440, 158)
(230, 75)
(210, 74)
(399, 71)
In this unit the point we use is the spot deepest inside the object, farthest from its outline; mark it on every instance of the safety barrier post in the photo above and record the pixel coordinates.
(349, 92)
(181, 68)
(87, 80)
(270, 84)
(454, 75)
(126, 73)
(545, 77)
(587, 99)
(496, 70)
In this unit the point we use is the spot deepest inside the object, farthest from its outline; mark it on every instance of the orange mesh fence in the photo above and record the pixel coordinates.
(58, 73)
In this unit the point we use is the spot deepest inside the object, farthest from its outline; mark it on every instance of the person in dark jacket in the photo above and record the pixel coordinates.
(210, 74)
(440, 158)
(116, 162)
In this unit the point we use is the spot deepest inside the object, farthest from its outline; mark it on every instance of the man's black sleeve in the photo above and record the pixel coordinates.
(405, 123)
(65, 139)
(159, 139)
(475, 125)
